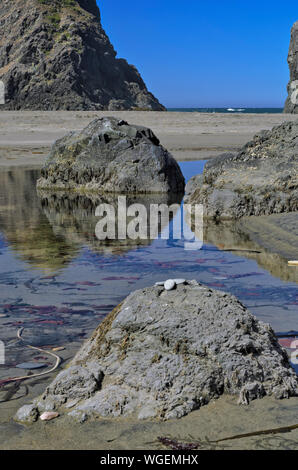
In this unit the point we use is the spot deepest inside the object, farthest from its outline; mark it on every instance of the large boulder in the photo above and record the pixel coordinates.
(260, 180)
(163, 353)
(111, 156)
(291, 105)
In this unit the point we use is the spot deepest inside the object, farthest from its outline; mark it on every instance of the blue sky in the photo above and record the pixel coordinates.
(201, 53)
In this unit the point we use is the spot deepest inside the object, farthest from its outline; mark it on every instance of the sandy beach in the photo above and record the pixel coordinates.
(26, 137)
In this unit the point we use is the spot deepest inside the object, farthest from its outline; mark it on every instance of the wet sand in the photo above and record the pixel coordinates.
(270, 240)
(277, 233)
(220, 419)
(26, 137)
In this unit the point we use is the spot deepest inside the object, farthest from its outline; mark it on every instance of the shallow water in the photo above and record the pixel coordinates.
(58, 281)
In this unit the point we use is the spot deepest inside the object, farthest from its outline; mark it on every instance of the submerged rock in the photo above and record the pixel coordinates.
(30, 365)
(161, 354)
(260, 180)
(27, 414)
(291, 105)
(111, 156)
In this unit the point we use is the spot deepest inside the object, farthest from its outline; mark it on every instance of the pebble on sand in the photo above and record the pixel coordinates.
(48, 415)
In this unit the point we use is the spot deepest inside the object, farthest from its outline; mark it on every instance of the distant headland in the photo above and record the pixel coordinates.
(55, 55)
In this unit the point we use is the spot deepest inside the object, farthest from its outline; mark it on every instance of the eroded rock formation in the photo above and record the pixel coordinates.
(291, 105)
(260, 180)
(54, 54)
(161, 354)
(111, 156)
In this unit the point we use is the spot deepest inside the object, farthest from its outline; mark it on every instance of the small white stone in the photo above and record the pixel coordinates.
(170, 284)
(179, 281)
(48, 415)
(161, 283)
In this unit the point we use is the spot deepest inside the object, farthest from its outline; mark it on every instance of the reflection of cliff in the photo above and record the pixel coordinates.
(24, 225)
(48, 230)
(237, 237)
(72, 217)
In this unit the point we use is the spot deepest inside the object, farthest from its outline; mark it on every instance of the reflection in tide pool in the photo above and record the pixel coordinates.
(58, 281)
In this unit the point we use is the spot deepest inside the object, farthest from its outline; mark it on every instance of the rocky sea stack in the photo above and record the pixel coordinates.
(54, 55)
(163, 353)
(111, 156)
(262, 179)
(291, 105)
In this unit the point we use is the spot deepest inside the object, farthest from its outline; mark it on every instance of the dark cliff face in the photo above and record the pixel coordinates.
(90, 6)
(54, 54)
(291, 105)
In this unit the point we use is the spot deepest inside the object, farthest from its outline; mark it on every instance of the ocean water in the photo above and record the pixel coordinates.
(229, 110)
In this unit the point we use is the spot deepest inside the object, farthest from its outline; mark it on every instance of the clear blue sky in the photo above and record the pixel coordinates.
(201, 53)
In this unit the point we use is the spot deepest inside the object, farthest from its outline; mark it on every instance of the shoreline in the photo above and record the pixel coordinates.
(27, 136)
(221, 418)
